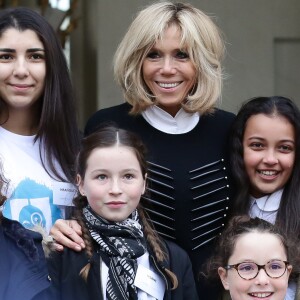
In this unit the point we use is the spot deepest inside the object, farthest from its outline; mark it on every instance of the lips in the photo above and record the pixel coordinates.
(21, 87)
(115, 204)
(261, 295)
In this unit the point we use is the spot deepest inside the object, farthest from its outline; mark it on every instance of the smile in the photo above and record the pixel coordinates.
(268, 173)
(168, 85)
(261, 295)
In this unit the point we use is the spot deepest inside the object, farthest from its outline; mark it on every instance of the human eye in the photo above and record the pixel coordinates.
(5, 56)
(36, 56)
(276, 265)
(101, 177)
(182, 54)
(128, 176)
(153, 54)
(285, 148)
(246, 267)
(256, 146)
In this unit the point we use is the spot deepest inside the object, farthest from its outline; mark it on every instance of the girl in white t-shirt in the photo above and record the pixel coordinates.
(39, 138)
(265, 159)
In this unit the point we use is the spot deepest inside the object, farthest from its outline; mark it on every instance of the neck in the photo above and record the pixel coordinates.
(20, 122)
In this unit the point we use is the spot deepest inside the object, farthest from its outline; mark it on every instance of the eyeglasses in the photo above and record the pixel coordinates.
(249, 270)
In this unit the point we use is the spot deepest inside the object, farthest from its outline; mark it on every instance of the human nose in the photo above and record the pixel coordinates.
(115, 187)
(20, 68)
(270, 157)
(168, 66)
(262, 277)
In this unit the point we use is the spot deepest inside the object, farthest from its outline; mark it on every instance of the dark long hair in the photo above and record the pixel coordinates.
(288, 215)
(57, 129)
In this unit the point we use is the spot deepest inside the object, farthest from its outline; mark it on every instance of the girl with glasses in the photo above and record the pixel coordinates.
(254, 259)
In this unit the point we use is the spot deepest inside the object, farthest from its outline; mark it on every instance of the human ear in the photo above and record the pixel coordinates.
(289, 270)
(223, 276)
(79, 183)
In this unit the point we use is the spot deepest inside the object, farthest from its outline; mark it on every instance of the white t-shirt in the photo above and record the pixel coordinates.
(34, 198)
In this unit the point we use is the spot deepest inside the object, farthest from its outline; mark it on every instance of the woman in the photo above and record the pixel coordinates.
(38, 135)
(169, 67)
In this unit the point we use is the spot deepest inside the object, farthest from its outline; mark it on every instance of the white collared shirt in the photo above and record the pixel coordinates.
(143, 260)
(183, 121)
(266, 207)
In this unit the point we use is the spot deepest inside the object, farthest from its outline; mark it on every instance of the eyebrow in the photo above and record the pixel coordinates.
(106, 170)
(263, 139)
(28, 50)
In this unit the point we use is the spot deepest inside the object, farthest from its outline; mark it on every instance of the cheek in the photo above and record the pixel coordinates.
(146, 70)
(280, 285)
(238, 286)
(289, 162)
(250, 160)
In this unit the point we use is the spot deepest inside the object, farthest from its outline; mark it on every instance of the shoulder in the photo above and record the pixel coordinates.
(111, 115)
(26, 240)
(176, 253)
(220, 115)
(181, 266)
(219, 122)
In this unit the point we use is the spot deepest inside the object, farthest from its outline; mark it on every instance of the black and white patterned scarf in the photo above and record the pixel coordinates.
(123, 242)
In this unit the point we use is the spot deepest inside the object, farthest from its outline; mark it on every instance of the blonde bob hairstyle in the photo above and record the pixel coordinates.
(200, 38)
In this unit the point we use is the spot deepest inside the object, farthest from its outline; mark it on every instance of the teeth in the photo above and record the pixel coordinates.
(268, 173)
(168, 85)
(260, 295)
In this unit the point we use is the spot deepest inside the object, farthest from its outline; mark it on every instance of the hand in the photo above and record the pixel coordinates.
(67, 233)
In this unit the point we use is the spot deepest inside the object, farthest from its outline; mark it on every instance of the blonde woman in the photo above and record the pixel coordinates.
(169, 68)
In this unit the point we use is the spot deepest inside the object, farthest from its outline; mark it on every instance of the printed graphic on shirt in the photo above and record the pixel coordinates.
(31, 204)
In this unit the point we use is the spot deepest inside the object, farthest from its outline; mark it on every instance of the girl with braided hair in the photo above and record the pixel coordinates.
(124, 257)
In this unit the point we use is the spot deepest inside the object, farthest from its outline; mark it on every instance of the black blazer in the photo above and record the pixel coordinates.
(64, 270)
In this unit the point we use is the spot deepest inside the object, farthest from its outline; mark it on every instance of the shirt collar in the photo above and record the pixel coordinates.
(268, 203)
(183, 121)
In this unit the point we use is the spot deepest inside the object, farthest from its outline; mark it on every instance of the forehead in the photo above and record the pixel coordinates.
(117, 155)
(269, 124)
(15, 37)
(258, 247)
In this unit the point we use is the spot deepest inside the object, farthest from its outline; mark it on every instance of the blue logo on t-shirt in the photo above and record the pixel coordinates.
(31, 203)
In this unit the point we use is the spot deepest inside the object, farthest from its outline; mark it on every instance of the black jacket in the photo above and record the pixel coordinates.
(23, 268)
(64, 270)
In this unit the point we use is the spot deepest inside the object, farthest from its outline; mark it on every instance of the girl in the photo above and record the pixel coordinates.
(124, 257)
(253, 260)
(38, 135)
(265, 155)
